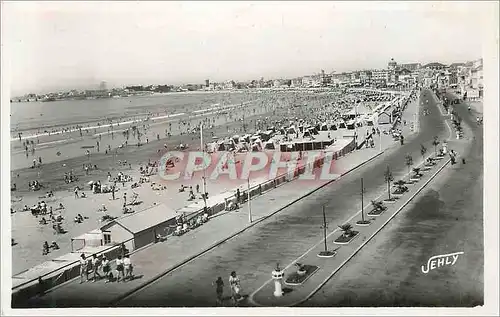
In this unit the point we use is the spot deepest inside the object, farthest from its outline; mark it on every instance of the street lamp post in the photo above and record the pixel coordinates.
(362, 201)
(204, 168)
(249, 201)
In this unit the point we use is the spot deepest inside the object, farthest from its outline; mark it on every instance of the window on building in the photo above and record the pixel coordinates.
(107, 238)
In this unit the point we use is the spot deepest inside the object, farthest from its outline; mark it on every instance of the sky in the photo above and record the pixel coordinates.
(58, 45)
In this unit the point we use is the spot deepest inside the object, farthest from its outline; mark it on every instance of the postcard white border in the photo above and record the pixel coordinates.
(491, 207)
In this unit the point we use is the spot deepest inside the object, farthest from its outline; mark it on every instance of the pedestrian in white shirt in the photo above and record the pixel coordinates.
(83, 268)
(96, 266)
(234, 283)
(120, 268)
(128, 267)
(106, 268)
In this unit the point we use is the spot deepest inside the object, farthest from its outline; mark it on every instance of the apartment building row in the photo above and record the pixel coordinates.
(406, 74)
(466, 77)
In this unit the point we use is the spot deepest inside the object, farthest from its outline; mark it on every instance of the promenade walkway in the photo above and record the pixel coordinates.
(161, 258)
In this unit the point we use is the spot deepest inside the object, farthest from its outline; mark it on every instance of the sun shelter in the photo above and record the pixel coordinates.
(291, 130)
(140, 228)
(93, 238)
(266, 136)
(236, 138)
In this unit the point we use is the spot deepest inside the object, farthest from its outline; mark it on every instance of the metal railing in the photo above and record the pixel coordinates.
(72, 265)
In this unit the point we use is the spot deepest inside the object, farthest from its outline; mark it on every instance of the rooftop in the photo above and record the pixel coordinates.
(145, 219)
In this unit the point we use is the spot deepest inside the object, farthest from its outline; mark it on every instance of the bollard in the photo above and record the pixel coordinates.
(277, 275)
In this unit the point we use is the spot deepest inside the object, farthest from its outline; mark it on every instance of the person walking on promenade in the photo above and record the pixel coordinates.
(96, 266)
(76, 192)
(124, 199)
(106, 268)
(120, 269)
(127, 264)
(84, 266)
(238, 196)
(219, 290)
(234, 283)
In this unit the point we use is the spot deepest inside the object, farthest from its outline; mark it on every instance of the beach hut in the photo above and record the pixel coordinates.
(269, 146)
(384, 118)
(221, 147)
(254, 138)
(287, 147)
(139, 229)
(308, 146)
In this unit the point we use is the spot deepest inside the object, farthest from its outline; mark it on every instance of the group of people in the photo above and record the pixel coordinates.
(69, 177)
(235, 286)
(101, 264)
(183, 225)
(34, 185)
(46, 247)
(37, 163)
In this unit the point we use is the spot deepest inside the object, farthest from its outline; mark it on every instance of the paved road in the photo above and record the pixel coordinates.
(447, 217)
(288, 235)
